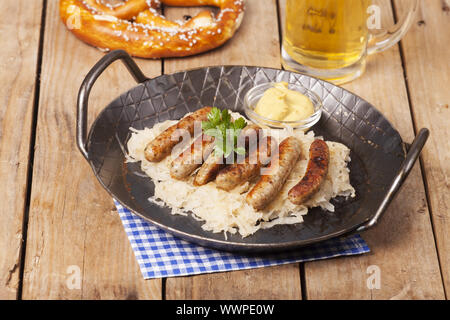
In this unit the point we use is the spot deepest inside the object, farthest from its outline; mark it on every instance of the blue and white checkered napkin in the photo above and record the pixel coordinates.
(160, 254)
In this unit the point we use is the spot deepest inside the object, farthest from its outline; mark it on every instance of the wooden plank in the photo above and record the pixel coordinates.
(252, 48)
(402, 244)
(426, 58)
(272, 283)
(18, 59)
(72, 224)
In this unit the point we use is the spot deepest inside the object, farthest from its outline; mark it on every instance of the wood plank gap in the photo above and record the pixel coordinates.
(304, 291)
(280, 24)
(427, 195)
(163, 288)
(422, 166)
(31, 150)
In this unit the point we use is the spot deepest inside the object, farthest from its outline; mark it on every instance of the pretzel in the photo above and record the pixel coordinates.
(136, 26)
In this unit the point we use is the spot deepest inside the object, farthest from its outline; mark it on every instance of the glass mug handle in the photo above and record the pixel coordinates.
(389, 37)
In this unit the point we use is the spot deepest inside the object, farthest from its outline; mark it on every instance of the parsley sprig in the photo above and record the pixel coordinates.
(225, 132)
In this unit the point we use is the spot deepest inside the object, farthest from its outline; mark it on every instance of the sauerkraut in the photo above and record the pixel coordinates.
(222, 211)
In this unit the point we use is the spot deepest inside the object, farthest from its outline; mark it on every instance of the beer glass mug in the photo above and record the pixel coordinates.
(330, 39)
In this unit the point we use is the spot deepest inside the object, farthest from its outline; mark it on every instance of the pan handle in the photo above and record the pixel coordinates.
(91, 77)
(405, 169)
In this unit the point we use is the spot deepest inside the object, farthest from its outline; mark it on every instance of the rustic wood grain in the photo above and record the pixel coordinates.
(402, 244)
(249, 47)
(72, 220)
(18, 60)
(426, 52)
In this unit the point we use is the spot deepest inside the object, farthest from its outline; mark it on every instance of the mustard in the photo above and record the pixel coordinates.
(282, 104)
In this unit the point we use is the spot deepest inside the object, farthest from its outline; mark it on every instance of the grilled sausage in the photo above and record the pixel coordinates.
(209, 169)
(316, 172)
(192, 158)
(238, 173)
(271, 183)
(214, 164)
(163, 144)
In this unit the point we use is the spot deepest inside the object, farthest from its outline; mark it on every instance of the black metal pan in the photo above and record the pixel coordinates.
(380, 159)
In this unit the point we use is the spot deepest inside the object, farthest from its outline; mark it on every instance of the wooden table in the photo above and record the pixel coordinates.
(54, 214)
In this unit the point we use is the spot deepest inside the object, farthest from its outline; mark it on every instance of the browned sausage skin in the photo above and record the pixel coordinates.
(214, 163)
(238, 173)
(192, 158)
(209, 169)
(162, 145)
(272, 182)
(316, 172)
